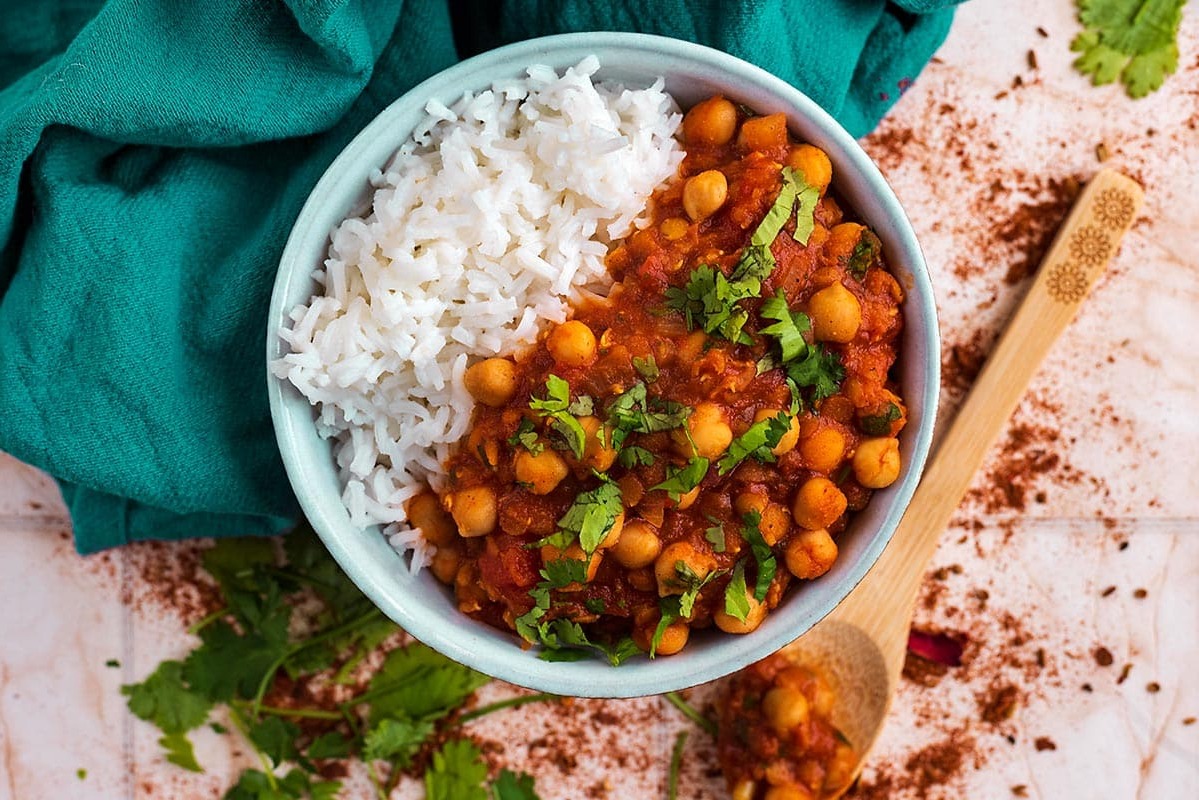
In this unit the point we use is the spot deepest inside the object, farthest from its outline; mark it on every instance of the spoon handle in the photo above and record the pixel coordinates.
(1087, 241)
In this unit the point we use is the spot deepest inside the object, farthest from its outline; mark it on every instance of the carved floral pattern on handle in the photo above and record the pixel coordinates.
(1090, 246)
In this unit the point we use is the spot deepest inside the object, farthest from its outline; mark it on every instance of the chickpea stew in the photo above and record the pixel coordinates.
(776, 739)
(680, 452)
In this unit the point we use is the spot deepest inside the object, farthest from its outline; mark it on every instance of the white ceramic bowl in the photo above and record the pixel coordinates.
(420, 604)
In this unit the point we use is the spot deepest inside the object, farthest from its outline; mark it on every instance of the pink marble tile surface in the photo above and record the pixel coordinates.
(1081, 532)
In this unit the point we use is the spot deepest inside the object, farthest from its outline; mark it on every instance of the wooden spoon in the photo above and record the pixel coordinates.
(860, 646)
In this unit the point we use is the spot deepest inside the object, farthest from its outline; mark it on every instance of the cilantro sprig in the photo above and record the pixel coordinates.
(1132, 40)
(808, 366)
(563, 414)
(300, 615)
(758, 441)
(762, 552)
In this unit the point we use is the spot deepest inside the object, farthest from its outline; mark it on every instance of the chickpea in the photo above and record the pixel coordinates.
(813, 163)
(774, 523)
(823, 450)
(810, 554)
(836, 314)
(492, 381)
(785, 708)
(843, 238)
(787, 791)
(714, 121)
(818, 503)
(542, 472)
(787, 442)
(730, 624)
(673, 554)
(763, 133)
(750, 501)
(674, 228)
(425, 512)
(704, 194)
(744, 790)
(572, 343)
(638, 545)
(475, 510)
(710, 429)
(674, 638)
(876, 463)
(840, 769)
(597, 453)
(445, 563)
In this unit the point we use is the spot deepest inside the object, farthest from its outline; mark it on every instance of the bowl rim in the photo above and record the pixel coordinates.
(475, 648)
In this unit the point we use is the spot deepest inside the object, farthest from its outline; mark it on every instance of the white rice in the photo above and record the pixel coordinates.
(486, 224)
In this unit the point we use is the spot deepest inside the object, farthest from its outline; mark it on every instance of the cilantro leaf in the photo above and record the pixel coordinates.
(328, 745)
(680, 480)
(591, 517)
(562, 572)
(710, 300)
(671, 609)
(777, 215)
(256, 785)
(457, 772)
(820, 370)
(275, 738)
(179, 751)
(229, 664)
(646, 367)
(759, 440)
(396, 738)
(715, 535)
(789, 327)
(417, 681)
(762, 552)
(880, 424)
(526, 437)
(556, 408)
(864, 254)
(633, 455)
(691, 583)
(736, 601)
(510, 786)
(1133, 40)
(805, 213)
(164, 700)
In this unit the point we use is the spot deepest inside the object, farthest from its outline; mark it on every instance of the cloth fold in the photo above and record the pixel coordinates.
(154, 154)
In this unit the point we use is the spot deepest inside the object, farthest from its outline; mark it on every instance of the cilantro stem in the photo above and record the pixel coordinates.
(298, 713)
(676, 761)
(690, 713)
(324, 636)
(243, 727)
(511, 702)
(208, 620)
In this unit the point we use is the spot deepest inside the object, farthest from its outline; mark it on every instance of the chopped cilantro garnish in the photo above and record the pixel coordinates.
(710, 302)
(680, 480)
(526, 437)
(634, 411)
(789, 327)
(457, 772)
(736, 601)
(1133, 40)
(777, 215)
(671, 612)
(633, 456)
(81, 773)
(556, 406)
(805, 213)
(591, 517)
(510, 786)
(686, 579)
(112, 663)
(562, 572)
(715, 535)
(880, 424)
(864, 254)
(646, 367)
(763, 554)
(595, 605)
(820, 370)
(757, 441)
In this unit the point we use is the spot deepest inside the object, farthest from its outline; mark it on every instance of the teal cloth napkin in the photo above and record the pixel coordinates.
(153, 155)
